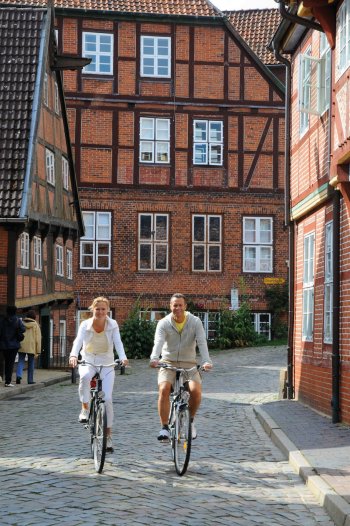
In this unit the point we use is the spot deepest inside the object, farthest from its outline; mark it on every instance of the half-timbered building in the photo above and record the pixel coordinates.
(178, 135)
(315, 35)
(40, 218)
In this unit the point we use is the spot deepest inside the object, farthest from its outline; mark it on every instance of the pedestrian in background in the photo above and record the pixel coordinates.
(30, 346)
(12, 331)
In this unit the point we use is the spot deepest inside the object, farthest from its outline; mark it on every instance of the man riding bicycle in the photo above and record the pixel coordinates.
(176, 338)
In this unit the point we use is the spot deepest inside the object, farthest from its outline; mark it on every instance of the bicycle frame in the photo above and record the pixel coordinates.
(179, 417)
(97, 422)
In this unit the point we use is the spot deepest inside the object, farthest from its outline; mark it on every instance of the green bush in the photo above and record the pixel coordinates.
(137, 334)
(236, 328)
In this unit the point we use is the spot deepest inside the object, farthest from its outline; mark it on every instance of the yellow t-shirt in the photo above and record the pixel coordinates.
(98, 343)
(181, 325)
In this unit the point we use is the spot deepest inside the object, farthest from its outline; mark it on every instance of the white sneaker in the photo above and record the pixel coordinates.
(164, 435)
(9, 385)
(194, 431)
(84, 415)
(109, 447)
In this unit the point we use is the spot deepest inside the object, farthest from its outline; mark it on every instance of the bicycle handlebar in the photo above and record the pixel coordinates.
(116, 363)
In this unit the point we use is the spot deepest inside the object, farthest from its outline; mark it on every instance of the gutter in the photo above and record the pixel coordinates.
(35, 118)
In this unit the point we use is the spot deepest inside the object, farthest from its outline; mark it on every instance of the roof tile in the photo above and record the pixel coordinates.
(19, 44)
(257, 27)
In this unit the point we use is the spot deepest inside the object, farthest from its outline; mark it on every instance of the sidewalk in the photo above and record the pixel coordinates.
(317, 449)
(42, 377)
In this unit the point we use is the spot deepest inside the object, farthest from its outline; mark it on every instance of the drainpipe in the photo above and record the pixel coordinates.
(295, 19)
(336, 318)
(288, 223)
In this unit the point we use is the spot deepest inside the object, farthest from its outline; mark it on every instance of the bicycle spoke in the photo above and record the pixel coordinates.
(182, 441)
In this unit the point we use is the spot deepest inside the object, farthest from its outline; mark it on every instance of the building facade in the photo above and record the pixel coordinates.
(40, 218)
(319, 201)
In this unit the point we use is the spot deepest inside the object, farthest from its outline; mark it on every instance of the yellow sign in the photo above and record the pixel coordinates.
(274, 281)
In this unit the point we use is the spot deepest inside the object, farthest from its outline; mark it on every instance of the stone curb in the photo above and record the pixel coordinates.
(20, 390)
(337, 507)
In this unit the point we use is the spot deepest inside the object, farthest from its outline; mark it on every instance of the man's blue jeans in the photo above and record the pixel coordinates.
(20, 365)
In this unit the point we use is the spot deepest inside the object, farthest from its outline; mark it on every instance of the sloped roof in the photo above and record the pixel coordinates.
(20, 32)
(257, 27)
(151, 7)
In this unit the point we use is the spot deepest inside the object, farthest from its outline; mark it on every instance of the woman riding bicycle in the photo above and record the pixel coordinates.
(95, 340)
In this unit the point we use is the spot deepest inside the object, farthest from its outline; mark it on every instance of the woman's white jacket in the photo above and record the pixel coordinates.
(85, 333)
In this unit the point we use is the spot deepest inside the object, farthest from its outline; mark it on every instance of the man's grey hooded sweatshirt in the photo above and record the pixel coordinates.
(180, 347)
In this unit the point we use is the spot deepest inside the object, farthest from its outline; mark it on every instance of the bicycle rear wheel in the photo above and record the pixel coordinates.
(100, 438)
(182, 440)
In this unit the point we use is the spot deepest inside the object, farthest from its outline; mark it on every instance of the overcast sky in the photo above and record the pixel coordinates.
(232, 5)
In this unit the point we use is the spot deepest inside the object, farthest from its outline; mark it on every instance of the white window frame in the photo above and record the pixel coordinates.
(157, 60)
(57, 100)
(98, 54)
(259, 326)
(63, 337)
(324, 74)
(59, 260)
(50, 166)
(208, 141)
(152, 315)
(328, 284)
(98, 236)
(204, 247)
(156, 243)
(210, 321)
(65, 173)
(46, 90)
(343, 38)
(24, 250)
(308, 288)
(257, 245)
(154, 140)
(69, 263)
(37, 253)
(309, 88)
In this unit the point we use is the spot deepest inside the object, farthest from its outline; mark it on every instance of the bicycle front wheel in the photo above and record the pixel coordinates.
(182, 440)
(100, 438)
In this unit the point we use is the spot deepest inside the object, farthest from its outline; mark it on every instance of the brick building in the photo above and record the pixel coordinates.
(178, 135)
(319, 152)
(40, 218)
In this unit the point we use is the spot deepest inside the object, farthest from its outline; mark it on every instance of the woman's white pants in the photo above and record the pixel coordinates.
(86, 373)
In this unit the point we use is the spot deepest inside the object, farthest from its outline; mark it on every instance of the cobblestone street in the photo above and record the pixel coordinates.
(236, 475)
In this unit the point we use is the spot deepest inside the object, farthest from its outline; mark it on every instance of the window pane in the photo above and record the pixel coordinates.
(146, 151)
(214, 229)
(198, 228)
(162, 152)
(265, 230)
(147, 129)
(89, 223)
(250, 259)
(200, 130)
(214, 258)
(215, 154)
(146, 227)
(215, 131)
(265, 259)
(249, 230)
(145, 257)
(87, 255)
(200, 153)
(198, 257)
(103, 226)
(163, 46)
(103, 255)
(161, 257)
(162, 130)
(161, 228)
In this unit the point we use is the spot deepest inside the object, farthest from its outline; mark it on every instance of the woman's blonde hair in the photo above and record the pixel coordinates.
(99, 299)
